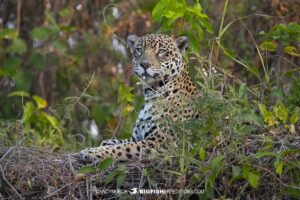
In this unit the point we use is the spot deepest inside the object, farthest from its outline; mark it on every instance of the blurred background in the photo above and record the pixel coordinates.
(65, 70)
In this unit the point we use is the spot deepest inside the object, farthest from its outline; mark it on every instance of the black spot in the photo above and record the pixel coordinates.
(147, 133)
(114, 151)
(129, 156)
(153, 138)
(173, 71)
(120, 154)
(138, 148)
(118, 147)
(137, 154)
(106, 152)
(128, 149)
(175, 90)
(98, 156)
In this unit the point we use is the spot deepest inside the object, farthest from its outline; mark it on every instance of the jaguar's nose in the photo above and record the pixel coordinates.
(145, 65)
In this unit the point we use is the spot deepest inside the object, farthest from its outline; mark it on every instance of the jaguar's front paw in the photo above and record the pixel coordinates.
(89, 155)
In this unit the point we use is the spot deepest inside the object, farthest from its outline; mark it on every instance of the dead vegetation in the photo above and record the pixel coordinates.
(33, 174)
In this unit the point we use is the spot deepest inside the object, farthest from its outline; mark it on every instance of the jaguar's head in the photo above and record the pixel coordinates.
(157, 57)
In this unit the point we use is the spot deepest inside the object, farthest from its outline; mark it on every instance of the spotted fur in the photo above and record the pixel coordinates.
(169, 95)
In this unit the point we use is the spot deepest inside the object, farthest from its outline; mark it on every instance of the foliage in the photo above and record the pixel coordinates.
(282, 36)
(37, 122)
(181, 18)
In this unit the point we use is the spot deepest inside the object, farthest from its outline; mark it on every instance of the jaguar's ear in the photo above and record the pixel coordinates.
(182, 43)
(131, 40)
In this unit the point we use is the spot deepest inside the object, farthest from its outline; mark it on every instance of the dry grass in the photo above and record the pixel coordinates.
(28, 173)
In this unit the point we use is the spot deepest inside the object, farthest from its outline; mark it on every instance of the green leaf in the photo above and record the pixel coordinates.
(246, 129)
(202, 154)
(40, 33)
(19, 93)
(216, 162)
(268, 46)
(291, 51)
(121, 169)
(208, 27)
(18, 46)
(11, 65)
(52, 120)
(158, 10)
(37, 61)
(110, 177)
(269, 118)
(104, 164)
(278, 164)
(264, 154)
(243, 93)
(7, 33)
(40, 102)
(246, 170)
(60, 46)
(120, 180)
(86, 170)
(181, 163)
(262, 33)
(28, 111)
(281, 112)
(253, 179)
(236, 171)
(173, 15)
(294, 117)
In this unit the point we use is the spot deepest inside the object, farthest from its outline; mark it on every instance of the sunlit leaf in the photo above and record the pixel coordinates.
(52, 120)
(268, 46)
(253, 179)
(278, 164)
(40, 102)
(294, 117)
(202, 154)
(8, 33)
(281, 112)
(291, 51)
(19, 93)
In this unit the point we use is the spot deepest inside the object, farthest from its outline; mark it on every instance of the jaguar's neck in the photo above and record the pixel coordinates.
(162, 87)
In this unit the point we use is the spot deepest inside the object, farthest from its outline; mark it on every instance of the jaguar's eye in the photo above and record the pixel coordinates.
(161, 52)
(137, 51)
